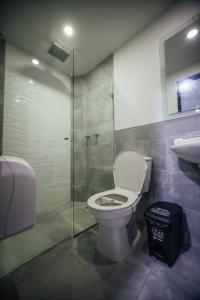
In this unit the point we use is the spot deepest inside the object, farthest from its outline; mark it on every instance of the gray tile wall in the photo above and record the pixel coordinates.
(2, 76)
(93, 114)
(173, 179)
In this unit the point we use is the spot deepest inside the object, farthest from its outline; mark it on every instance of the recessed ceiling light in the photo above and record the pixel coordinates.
(35, 61)
(192, 33)
(31, 81)
(68, 30)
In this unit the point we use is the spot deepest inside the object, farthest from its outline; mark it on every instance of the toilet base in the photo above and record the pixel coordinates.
(113, 243)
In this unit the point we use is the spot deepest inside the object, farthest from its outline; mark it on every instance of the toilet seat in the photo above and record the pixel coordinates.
(129, 171)
(132, 200)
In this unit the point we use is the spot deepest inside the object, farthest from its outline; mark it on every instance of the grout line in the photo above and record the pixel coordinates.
(35, 258)
(84, 231)
(145, 280)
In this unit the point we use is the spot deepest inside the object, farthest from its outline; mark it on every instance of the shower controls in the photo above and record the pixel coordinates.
(96, 135)
(87, 139)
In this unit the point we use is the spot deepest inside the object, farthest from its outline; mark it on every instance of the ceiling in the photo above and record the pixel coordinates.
(100, 27)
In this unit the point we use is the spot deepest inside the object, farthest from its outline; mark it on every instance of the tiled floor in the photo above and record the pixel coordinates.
(74, 270)
(51, 228)
(82, 218)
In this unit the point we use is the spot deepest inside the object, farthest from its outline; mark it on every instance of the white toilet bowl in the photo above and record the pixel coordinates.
(114, 208)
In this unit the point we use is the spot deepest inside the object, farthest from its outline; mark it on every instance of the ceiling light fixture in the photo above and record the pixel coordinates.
(68, 30)
(192, 33)
(35, 61)
(31, 81)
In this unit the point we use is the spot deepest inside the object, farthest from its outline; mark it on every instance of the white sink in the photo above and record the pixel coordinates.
(188, 148)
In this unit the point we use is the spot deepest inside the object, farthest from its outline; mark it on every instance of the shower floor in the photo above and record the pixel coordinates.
(52, 227)
(82, 218)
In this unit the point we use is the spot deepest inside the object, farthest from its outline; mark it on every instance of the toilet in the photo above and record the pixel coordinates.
(114, 208)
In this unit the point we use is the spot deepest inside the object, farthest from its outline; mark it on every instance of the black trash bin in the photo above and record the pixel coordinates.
(164, 229)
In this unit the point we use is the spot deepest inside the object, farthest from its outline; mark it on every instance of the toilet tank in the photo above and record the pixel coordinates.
(17, 196)
(147, 179)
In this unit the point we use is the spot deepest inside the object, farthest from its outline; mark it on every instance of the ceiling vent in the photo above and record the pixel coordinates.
(58, 52)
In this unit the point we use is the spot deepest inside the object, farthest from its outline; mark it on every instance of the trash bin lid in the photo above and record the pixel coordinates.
(164, 211)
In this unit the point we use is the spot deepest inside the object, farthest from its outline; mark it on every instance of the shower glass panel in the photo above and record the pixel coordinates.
(93, 119)
(2, 71)
(37, 127)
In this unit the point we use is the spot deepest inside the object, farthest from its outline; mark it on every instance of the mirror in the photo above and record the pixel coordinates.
(181, 66)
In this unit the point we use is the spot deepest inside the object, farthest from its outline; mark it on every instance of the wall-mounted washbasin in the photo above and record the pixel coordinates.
(188, 148)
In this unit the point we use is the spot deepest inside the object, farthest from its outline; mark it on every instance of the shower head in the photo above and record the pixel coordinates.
(58, 52)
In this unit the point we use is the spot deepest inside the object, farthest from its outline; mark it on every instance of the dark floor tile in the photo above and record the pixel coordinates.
(48, 277)
(105, 291)
(141, 255)
(185, 273)
(155, 288)
(124, 282)
(128, 275)
(74, 270)
(70, 267)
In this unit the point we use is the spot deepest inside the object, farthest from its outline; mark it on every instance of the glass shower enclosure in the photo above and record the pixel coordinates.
(61, 123)
(36, 126)
(93, 122)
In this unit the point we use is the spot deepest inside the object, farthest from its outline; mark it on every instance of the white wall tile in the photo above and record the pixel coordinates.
(36, 120)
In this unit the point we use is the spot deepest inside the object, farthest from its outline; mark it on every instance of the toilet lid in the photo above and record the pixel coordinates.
(129, 171)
